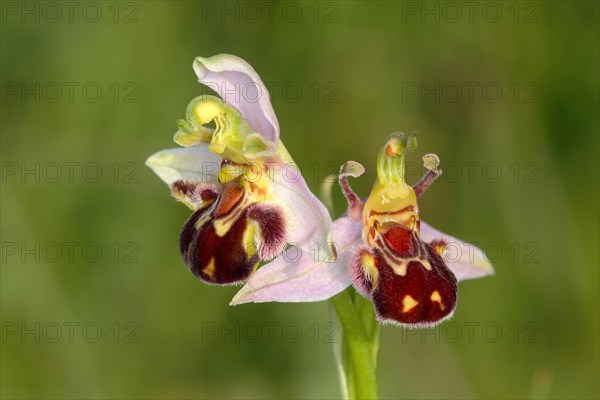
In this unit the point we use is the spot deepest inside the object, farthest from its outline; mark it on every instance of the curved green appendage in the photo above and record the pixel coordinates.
(390, 163)
(233, 138)
(391, 193)
(200, 111)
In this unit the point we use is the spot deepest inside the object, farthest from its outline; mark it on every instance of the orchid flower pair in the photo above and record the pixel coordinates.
(254, 219)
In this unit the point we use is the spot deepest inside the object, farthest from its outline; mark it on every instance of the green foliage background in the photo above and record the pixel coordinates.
(543, 220)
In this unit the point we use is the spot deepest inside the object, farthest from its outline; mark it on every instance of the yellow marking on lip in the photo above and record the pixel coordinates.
(408, 303)
(224, 223)
(440, 248)
(248, 239)
(369, 268)
(209, 270)
(400, 268)
(436, 298)
(222, 227)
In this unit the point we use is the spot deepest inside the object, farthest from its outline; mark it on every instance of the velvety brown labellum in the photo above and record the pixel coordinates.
(406, 279)
(223, 241)
(218, 259)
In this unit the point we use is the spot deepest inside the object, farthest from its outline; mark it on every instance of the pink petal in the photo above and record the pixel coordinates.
(239, 85)
(309, 221)
(195, 163)
(295, 276)
(465, 260)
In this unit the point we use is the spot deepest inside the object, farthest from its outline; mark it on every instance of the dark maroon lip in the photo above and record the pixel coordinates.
(227, 259)
(423, 296)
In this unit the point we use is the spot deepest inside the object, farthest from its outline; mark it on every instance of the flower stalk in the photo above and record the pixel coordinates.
(360, 344)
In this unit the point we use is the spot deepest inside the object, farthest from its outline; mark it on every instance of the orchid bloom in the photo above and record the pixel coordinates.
(405, 267)
(248, 199)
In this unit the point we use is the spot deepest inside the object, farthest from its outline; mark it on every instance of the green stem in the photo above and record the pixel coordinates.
(361, 342)
(372, 327)
(342, 361)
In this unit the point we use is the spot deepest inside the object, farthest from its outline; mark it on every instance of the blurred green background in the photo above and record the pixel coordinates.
(96, 301)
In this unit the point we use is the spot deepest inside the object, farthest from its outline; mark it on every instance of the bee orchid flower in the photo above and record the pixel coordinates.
(248, 199)
(408, 269)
